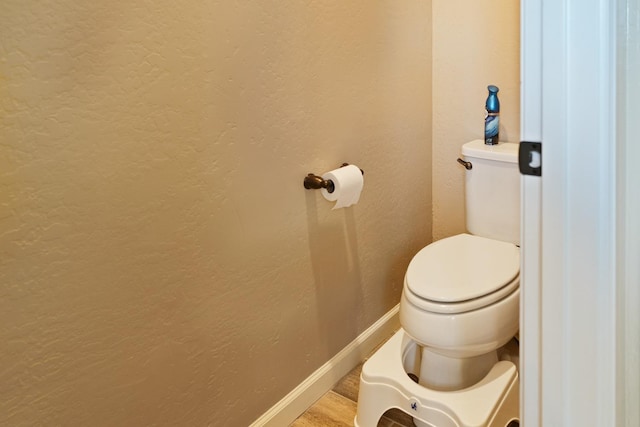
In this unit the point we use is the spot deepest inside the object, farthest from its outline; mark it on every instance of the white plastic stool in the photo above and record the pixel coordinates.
(384, 384)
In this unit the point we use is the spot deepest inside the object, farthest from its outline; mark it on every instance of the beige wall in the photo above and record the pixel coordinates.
(475, 43)
(160, 262)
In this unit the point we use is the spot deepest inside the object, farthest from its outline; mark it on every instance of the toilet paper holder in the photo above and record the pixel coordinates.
(315, 182)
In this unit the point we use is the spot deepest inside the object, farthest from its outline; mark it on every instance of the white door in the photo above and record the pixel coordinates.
(628, 217)
(577, 276)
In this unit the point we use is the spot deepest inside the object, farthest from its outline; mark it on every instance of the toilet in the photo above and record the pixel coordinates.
(459, 307)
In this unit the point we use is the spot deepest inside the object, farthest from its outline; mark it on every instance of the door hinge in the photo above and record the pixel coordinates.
(530, 158)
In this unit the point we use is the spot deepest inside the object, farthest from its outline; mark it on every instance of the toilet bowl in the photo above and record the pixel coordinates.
(460, 302)
(459, 305)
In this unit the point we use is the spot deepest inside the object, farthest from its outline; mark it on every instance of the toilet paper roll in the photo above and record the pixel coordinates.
(348, 182)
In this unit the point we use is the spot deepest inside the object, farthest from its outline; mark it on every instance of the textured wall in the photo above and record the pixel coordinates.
(160, 262)
(475, 43)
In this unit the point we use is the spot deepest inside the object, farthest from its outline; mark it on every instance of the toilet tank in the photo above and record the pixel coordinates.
(492, 190)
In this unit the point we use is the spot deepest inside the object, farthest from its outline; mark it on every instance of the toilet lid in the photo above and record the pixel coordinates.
(461, 268)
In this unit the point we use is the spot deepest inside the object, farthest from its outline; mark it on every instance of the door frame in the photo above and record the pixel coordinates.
(571, 249)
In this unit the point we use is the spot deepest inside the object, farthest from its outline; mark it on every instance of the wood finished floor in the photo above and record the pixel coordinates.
(337, 408)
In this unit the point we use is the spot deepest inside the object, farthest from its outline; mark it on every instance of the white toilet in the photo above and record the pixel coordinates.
(459, 305)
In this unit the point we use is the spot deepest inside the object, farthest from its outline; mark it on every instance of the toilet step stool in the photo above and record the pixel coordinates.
(384, 384)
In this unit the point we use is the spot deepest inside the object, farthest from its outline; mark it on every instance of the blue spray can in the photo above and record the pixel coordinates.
(492, 117)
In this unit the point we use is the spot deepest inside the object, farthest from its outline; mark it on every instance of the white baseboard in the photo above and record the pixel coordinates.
(322, 380)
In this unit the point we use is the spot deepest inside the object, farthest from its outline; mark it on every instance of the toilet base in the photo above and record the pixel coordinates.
(384, 384)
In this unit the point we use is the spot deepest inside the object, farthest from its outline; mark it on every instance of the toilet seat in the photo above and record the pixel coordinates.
(462, 273)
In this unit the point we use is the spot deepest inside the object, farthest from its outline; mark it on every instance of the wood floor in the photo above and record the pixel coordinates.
(337, 408)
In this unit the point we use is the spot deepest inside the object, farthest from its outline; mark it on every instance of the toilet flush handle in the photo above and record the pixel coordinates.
(467, 165)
